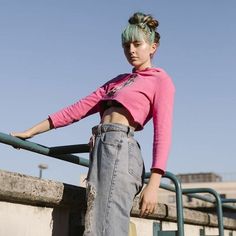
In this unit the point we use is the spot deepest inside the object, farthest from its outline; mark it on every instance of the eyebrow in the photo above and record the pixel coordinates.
(136, 41)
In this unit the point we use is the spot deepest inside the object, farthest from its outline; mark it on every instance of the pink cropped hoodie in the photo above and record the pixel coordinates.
(150, 96)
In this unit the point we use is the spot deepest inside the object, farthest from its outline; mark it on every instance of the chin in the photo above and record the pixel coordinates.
(136, 65)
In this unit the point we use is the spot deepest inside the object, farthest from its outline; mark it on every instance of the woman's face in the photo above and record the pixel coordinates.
(138, 53)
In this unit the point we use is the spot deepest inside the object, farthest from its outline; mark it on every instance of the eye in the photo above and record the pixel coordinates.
(126, 45)
(137, 44)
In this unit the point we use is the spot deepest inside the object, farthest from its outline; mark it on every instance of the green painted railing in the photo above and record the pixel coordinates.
(47, 151)
(65, 153)
(179, 201)
(218, 204)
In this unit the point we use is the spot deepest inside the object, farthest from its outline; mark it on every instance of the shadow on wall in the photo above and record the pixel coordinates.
(68, 218)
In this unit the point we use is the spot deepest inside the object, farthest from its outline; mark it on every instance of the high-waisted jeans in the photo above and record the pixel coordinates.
(115, 176)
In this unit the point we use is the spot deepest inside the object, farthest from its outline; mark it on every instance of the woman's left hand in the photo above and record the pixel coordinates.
(148, 200)
(148, 197)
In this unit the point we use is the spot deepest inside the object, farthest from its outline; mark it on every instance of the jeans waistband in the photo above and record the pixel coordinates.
(102, 128)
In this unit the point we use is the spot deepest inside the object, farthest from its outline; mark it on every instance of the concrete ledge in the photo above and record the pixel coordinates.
(168, 213)
(24, 189)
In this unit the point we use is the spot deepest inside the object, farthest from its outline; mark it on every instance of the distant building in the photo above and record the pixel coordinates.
(199, 177)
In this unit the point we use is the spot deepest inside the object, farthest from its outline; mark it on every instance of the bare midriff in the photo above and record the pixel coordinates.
(118, 115)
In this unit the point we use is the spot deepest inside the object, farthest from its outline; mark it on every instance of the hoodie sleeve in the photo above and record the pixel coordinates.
(79, 110)
(162, 122)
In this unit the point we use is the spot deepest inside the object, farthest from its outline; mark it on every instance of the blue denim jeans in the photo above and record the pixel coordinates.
(115, 176)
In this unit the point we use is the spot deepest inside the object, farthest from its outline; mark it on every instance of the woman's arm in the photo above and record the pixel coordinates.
(162, 121)
(39, 128)
(66, 116)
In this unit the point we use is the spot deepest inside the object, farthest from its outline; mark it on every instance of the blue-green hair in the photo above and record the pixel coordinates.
(141, 27)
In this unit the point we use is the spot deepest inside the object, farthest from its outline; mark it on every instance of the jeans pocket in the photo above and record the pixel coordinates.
(135, 163)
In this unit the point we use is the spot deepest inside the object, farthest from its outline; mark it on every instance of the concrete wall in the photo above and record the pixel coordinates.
(18, 220)
(30, 206)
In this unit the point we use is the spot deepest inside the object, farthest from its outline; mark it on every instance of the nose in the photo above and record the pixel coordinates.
(131, 48)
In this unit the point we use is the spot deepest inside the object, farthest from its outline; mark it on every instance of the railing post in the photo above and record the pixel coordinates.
(179, 201)
(217, 201)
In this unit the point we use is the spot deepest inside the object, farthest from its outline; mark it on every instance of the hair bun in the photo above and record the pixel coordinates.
(143, 20)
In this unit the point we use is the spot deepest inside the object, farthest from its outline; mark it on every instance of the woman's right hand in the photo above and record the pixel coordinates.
(39, 128)
(22, 135)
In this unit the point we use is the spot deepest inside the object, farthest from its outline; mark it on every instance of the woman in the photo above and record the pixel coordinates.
(125, 103)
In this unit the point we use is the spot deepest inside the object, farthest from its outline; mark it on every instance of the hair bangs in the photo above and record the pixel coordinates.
(132, 33)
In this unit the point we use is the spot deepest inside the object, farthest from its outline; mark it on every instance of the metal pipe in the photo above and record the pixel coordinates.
(37, 148)
(218, 205)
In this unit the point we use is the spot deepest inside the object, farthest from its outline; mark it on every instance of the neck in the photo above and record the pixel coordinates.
(141, 68)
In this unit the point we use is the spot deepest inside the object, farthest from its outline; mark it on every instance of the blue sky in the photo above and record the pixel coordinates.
(53, 53)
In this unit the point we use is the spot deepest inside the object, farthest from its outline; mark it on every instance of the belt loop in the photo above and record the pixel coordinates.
(129, 132)
(99, 129)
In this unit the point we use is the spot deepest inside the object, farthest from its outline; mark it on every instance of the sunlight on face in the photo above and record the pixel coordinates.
(139, 53)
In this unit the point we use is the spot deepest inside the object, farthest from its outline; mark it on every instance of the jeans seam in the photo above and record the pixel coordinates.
(111, 190)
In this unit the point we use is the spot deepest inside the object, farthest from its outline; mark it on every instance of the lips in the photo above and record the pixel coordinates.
(133, 58)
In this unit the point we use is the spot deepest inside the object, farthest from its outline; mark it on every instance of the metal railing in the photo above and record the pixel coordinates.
(179, 200)
(56, 152)
(65, 153)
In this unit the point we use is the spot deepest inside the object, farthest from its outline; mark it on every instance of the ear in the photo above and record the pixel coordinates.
(153, 49)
